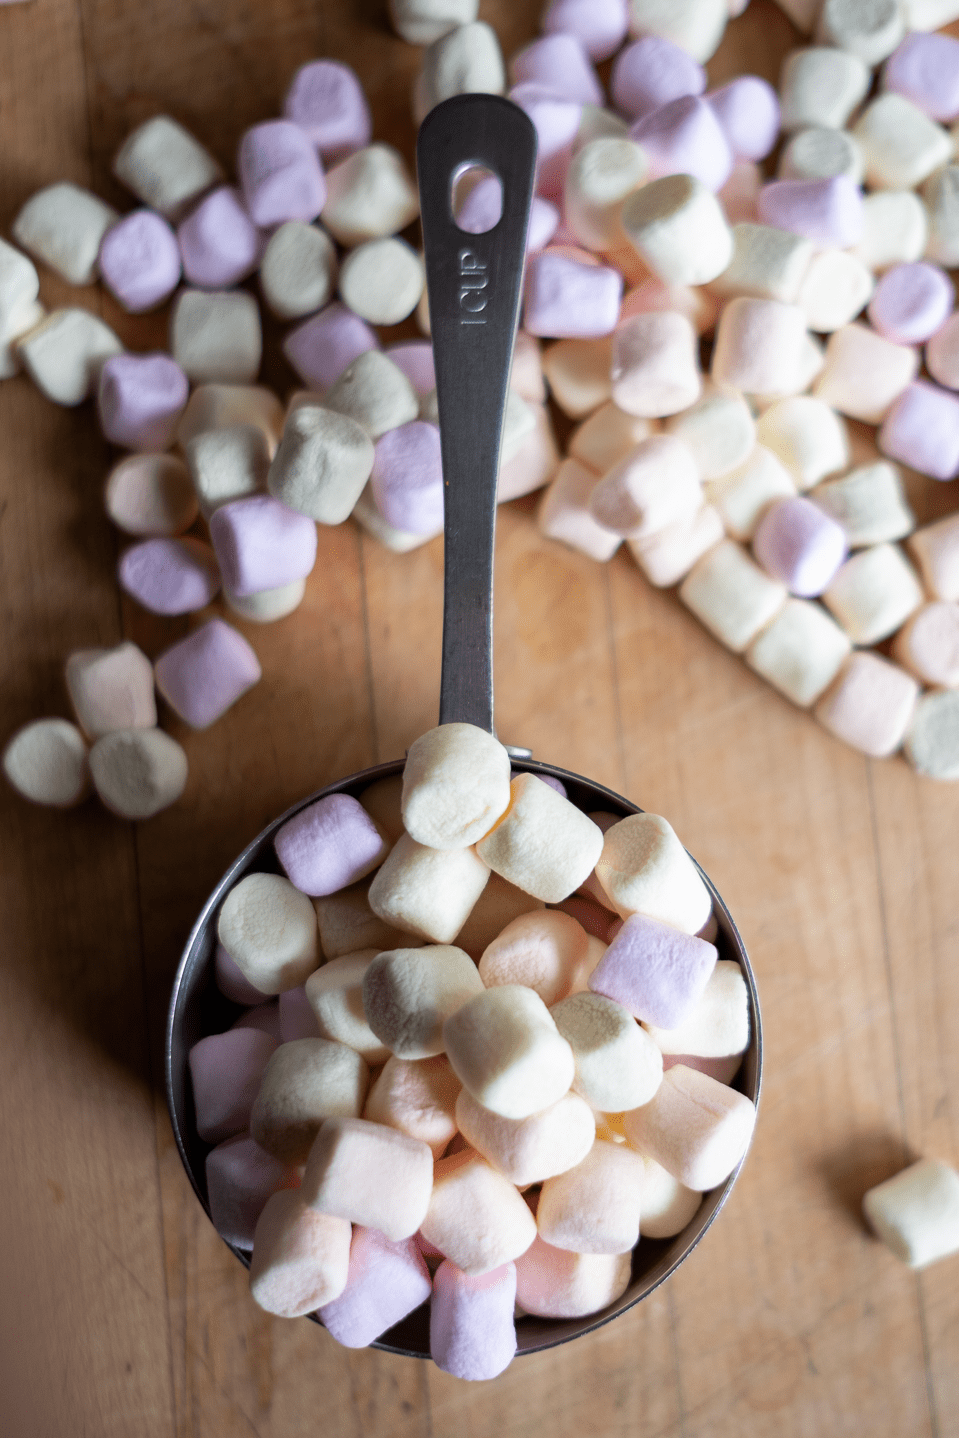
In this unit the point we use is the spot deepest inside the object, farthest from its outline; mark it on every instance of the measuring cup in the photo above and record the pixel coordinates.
(474, 283)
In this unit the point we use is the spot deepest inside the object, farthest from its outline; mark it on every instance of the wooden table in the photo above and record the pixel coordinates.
(123, 1313)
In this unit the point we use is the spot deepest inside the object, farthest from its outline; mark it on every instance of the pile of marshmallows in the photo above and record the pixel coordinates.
(457, 1078)
(653, 226)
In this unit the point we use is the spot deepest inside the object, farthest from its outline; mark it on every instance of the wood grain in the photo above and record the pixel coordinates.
(122, 1312)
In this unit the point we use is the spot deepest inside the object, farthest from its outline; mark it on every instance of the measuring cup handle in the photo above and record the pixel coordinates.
(474, 284)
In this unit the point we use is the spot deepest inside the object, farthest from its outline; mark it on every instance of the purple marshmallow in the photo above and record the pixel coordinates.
(325, 345)
(407, 478)
(557, 122)
(219, 242)
(828, 212)
(472, 1328)
(566, 298)
(329, 845)
(559, 63)
(261, 544)
(651, 73)
(170, 576)
(297, 1019)
(280, 174)
(415, 359)
(654, 970)
(240, 1177)
(921, 430)
(202, 675)
(232, 981)
(140, 399)
(925, 69)
(748, 113)
(599, 25)
(140, 261)
(483, 206)
(684, 137)
(385, 1282)
(226, 1071)
(327, 101)
(910, 302)
(799, 545)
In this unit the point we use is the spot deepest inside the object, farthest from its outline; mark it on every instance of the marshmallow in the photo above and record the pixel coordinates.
(382, 280)
(506, 1050)
(600, 176)
(697, 305)
(668, 555)
(697, 27)
(564, 297)
(18, 323)
(559, 128)
(348, 924)
(19, 283)
(165, 166)
(326, 99)
(368, 196)
(225, 1074)
(305, 1082)
(870, 29)
(543, 843)
(643, 867)
(916, 1213)
(374, 392)
(540, 950)
(472, 1332)
(371, 1175)
(655, 368)
(476, 1217)
(407, 478)
(554, 1283)
(594, 1207)
(139, 260)
(386, 1281)
(265, 1017)
(140, 399)
(420, 22)
(269, 930)
(828, 212)
(298, 270)
(428, 892)
(719, 430)
(618, 1066)
(800, 652)
(322, 464)
(65, 354)
(329, 844)
(870, 704)
(766, 264)
(650, 73)
(864, 373)
(942, 353)
(600, 25)
(260, 543)
(655, 971)
(416, 1096)
(608, 435)
(656, 485)
(218, 241)
(935, 549)
(216, 336)
(821, 86)
(718, 1025)
(409, 993)
(874, 593)
(740, 193)
(415, 359)
(820, 153)
(227, 464)
(578, 374)
(911, 302)
(667, 1206)
(564, 513)
(64, 225)
(465, 61)
(300, 1257)
(240, 1177)
(921, 429)
(224, 406)
(46, 762)
(928, 645)
(138, 772)
(929, 14)
(456, 784)
(835, 288)
(111, 689)
(334, 995)
(696, 1128)
(758, 346)
(679, 229)
(799, 544)
(280, 174)
(731, 595)
(297, 1020)
(932, 741)
(558, 62)
(742, 495)
(324, 346)
(747, 109)
(202, 675)
(685, 137)
(894, 228)
(529, 1150)
(807, 436)
(940, 196)
(901, 146)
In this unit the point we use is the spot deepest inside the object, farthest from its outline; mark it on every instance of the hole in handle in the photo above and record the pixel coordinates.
(476, 199)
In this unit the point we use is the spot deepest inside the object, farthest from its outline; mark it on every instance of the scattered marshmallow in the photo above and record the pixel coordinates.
(416, 1096)
(280, 174)
(225, 406)
(564, 297)
(202, 675)
(766, 264)
(219, 243)
(916, 1213)
(369, 195)
(655, 368)
(227, 464)
(558, 62)
(298, 270)
(564, 513)
(371, 1175)
(928, 644)
(428, 892)
(543, 843)
(821, 86)
(322, 464)
(465, 61)
(63, 225)
(931, 743)
(386, 1281)
(747, 109)
(529, 1150)
(216, 336)
(600, 25)
(138, 772)
(594, 1207)
(305, 1082)
(720, 431)
(935, 549)
(864, 373)
(871, 31)
(111, 689)
(696, 1128)
(139, 260)
(828, 212)
(472, 1332)
(667, 556)
(140, 399)
(921, 429)
(65, 353)
(382, 280)
(578, 372)
(731, 595)
(456, 785)
(800, 652)
(476, 1217)
(940, 197)
(678, 228)
(900, 145)
(607, 436)
(374, 392)
(650, 73)
(600, 176)
(326, 99)
(165, 166)
(869, 705)
(46, 762)
(697, 27)
(819, 153)
(618, 1066)
(269, 930)
(506, 1050)
(836, 287)
(300, 1257)
(656, 485)
(261, 544)
(895, 228)
(874, 593)
(226, 1071)
(911, 302)
(745, 493)
(409, 993)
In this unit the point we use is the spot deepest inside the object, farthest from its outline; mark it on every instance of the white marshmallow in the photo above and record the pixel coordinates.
(506, 1050)
(151, 495)
(63, 226)
(916, 1213)
(594, 1207)
(335, 994)
(269, 930)
(697, 1128)
(931, 742)
(940, 196)
(526, 374)
(111, 689)
(298, 270)
(618, 1066)
(455, 786)
(216, 336)
(807, 436)
(656, 485)
(564, 513)
(348, 924)
(655, 369)
(644, 869)
(870, 704)
(799, 653)
(369, 1174)
(742, 495)
(607, 435)
(375, 393)
(869, 502)
(820, 153)
(46, 762)
(13, 327)
(665, 557)
(19, 283)
(476, 1218)
(870, 29)
(535, 461)
(666, 1206)
(306, 1081)
(766, 264)
(408, 993)
(758, 346)
(935, 549)
(864, 373)
(165, 166)
(718, 1024)
(428, 892)
(418, 1097)
(600, 176)
(578, 372)
(64, 355)
(895, 228)
(929, 14)
(322, 465)
(138, 772)
(901, 146)
(369, 195)
(382, 280)
(221, 406)
(532, 1149)
(267, 605)
(541, 950)
(719, 430)
(874, 593)
(400, 541)
(928, 645)
(420, 22)
(300, 1257)
(821, 86)
(696, 26)
(731, 595)
(465, 61)
(227, 464)
(836, 287)
(543, 843)
(679, 229)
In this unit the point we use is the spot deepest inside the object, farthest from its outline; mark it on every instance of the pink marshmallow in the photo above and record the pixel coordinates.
(911, 301)
(203, 674)
(828, 212)
(653, 969)
(297, 1019)
(140, 261)
(415, 359)
(740, 193)
(264, 1017)
(329, 845)
(232, 981)
(170, 576)
(472, 1330)
(226, 1071)
(651, 73)
(800, 545)
(327, 101)
(925, 69)
(684, 137)
(219, 242)
(407, 478)
(565, 298)
(240, 1177)
(280, 173)
(323, 346)
(921, 429)
(140, 399)
(599, 25)
(386, 1282)
(560, 63)
(557, 122)
(261, 544)
(723, 1070)
(748, 113)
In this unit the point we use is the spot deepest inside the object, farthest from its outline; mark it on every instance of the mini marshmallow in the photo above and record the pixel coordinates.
(382, 280)
(940, 197)
(298, 270)
(202, 675)
(766, 264)
(13, 328)
(65, 354)
(326, 99)
(911, 302)
(731, 595)
(63, 225)
(465, 61)
(696, 1128)
(506, 1050)
(111, 689)
(456, 784)
(228, 464)
(165, 166)
(864, 373)
(231, 980)
(554, 1283)
(828, 212)
(565, 298)
(535, 462)
(374, 392)
(643, 867)
(718, 1025)
(742, 495)
(322, 464)
(328, 845)
(870, 704)
(872, 30)
(260, 543)
(216, 336)
(697, 305)
(928, 645)
(594, 1207)
(529, 1150)
(280, 174)
(820, 153)
(667, 556)
(800, 652)
(821, 86)
(901, 146)
(476, 1217)
(558, 62)
(305, 1082)
(139, 260)
(758, 345)
(428, 892)
(140, 399)
(578, 374)
(836, 287)
(685, 137)
(921, 429)
(916, 1213)
(218, 241)
(696, 27)
(747, 109)
(297, 1020)
(720, 431)
(300, 1257)
(667, 1206)
(895, 228)
(371, 1175)
(46, 762)
(334, 995)
(348, 924)
(543, 843)
(415, 359)
(240, 1177)
(269, 930)
(138, 772)
(559, 128)
(600, 176)
(874, 593)
(654, 971)
(807, 436)
(935, 549)
(418, 1097)
(409, 993)
(650, 73)
(931, 743)
(608, 435)
(679, 229)
(600, 27)
(323, 347)
(929, 14)
(564, 513)
(19, 283)
(407, 478)
(386, 1281)
(368, 196)
(225, 1073)
(655, 369)
(942, 353)
(799, 544)
(420, 22)
(618, 1066)
(225, 406)
(472, 1332)
(656, 485)
(540, 950)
